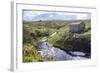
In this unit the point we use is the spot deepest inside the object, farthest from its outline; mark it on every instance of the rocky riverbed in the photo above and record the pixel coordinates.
(56, 54)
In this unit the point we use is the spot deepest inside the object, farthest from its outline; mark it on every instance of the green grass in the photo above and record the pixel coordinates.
(30, 54)
(61, 33)
(87, 23)
(62, 39)
(67, 37)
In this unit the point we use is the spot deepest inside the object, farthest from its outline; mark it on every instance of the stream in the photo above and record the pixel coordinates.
(56, 54)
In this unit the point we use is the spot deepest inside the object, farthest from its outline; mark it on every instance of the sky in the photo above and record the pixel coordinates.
(30, 15)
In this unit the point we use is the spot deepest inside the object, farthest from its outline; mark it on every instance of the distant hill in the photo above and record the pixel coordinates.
(54, 16)
(50, 16)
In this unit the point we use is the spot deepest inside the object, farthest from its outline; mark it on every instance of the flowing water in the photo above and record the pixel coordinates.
(54, 53)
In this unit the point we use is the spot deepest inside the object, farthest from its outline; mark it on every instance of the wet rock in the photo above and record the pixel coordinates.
(76, 53)
(43, 46)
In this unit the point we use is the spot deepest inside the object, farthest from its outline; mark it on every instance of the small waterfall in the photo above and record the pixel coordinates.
(56, 54)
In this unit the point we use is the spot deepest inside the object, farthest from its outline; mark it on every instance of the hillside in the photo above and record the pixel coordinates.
(34, 31)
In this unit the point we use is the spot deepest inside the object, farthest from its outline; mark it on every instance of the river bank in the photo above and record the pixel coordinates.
(56, 54)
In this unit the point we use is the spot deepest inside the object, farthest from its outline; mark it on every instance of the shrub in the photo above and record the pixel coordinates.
(30, 54)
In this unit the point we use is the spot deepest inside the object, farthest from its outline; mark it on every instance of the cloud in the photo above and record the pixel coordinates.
(30, 15)
(83, 16)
